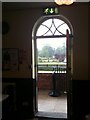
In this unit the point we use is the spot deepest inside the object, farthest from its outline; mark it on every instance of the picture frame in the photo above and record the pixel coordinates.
(10, 59)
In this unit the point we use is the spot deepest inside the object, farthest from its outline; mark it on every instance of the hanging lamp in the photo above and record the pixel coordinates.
(66, 2)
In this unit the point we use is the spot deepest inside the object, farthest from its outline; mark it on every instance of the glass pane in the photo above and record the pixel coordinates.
(48, 33)
(58, 22)
(57, 33)
(47, 23)
(52, 27)
(41, 30)
(63, 28)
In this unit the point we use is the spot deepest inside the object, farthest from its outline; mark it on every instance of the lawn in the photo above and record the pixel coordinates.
(52, 66)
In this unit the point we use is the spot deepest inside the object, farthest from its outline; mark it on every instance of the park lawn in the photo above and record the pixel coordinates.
(52, 63)
(50, 66)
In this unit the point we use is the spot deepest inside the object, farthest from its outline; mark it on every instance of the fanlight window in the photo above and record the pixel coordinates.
(52, 27)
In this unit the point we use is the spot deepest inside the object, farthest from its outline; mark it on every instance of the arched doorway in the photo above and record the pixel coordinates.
(56, 28)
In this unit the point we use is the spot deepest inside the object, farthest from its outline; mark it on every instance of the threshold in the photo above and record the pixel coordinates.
(52, 115)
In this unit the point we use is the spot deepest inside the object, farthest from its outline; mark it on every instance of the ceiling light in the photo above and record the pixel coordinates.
(66, 2)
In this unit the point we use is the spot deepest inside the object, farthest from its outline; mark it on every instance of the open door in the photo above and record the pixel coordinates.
(69, 74)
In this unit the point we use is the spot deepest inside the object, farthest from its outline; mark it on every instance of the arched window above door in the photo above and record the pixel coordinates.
(52, 27)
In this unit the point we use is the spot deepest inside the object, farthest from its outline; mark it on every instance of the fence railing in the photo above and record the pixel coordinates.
(51, 68)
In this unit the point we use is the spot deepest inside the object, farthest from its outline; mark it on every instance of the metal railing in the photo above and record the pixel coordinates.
(51, 68)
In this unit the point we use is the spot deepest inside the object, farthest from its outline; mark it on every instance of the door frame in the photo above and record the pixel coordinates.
(34, 60)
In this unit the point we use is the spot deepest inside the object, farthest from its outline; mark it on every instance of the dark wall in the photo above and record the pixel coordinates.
(89, 52)
(81, 98)
(22, 97)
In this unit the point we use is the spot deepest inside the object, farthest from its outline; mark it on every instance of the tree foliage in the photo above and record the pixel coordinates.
(60, 53)
(47, 51)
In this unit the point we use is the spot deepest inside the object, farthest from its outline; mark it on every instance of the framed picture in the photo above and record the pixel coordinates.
(10, 59)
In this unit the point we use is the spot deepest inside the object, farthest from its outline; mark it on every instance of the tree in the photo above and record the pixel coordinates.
(60, 53)
(47, 51)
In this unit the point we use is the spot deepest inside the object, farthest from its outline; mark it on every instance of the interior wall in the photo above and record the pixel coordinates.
(89, 41)
(78, 16)
(20, 36)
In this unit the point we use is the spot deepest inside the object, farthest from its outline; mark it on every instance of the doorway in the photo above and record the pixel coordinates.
(51, 59)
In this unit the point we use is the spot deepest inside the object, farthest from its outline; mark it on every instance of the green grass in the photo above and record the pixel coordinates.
(52, 63)
(51, 66)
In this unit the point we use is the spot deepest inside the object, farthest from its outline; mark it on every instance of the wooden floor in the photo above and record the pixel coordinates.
(47, 103)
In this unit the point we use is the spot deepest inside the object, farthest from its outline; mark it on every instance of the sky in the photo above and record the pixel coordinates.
(53, 42)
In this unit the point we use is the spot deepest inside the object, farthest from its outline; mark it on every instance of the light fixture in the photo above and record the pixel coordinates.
(66, 2)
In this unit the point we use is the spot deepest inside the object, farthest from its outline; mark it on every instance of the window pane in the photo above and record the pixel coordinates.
(42, 30)
(63, 28)
(58, 22)
(52, 27)
(47, 23)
